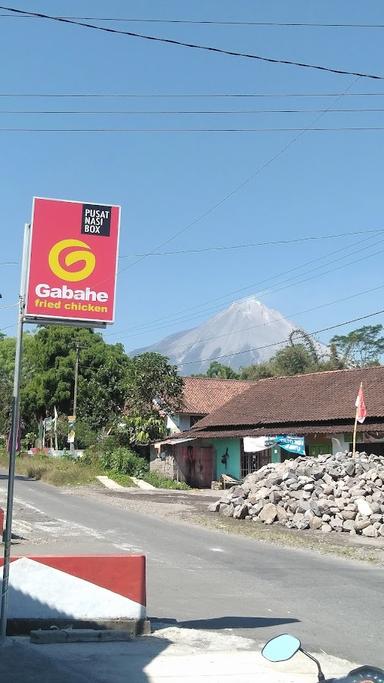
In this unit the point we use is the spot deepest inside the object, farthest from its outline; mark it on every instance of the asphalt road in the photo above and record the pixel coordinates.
(209, 580)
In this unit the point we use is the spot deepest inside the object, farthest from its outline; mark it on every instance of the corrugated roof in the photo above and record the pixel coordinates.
(312, 398)
(375, 428)
(202, 395)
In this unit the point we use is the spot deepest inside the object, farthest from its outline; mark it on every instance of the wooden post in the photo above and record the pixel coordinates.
(355, 427)
(354, 434)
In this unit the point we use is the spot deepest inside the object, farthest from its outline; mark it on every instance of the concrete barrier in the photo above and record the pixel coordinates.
(87, 591)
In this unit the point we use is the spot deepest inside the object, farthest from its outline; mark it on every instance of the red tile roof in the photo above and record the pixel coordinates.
(322, 397)
(202, 395)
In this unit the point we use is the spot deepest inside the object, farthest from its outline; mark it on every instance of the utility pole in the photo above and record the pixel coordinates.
(78, 347)
(14, 438)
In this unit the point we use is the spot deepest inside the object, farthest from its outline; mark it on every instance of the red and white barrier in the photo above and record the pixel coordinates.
(89, 588)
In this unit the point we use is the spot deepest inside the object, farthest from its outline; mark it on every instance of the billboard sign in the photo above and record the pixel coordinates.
(72, 262)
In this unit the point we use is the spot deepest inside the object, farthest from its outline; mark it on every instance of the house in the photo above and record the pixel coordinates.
(241, 435)
(201, 396)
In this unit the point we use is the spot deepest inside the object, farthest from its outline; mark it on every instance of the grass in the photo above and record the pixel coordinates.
(123, 479)
(56, 471)
(65, 471)
(163, 483)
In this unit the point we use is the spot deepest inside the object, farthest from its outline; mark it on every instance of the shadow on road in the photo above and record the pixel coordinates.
(218, 623)
(23, 662)
(19, 477)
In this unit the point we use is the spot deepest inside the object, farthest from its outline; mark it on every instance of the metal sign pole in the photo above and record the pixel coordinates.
(14, 437)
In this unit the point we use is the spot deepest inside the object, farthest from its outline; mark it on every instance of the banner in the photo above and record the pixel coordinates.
(73, 261)
(292, 444)
(255, 444)
(71, 428)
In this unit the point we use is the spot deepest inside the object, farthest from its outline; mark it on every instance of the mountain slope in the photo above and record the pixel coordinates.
(233, 334)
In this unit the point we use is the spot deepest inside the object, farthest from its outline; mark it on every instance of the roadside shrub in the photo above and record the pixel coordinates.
(163, 483)
(124, 461)
(35, 471)
(92, 456)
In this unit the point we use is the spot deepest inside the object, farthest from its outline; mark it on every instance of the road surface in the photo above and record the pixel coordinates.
(213, 581)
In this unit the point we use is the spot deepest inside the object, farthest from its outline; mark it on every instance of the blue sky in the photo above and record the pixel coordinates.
(324, 183)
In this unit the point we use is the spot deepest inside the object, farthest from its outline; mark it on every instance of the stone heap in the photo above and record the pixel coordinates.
(342, 492)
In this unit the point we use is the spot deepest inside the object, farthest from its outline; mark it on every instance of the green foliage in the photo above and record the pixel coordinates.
(7, 358)
(28, 441)
(139, 430)
(221, 371)
(293, 360)
(259, 371)
(163, 483)
(85, 436)
(124, 461)
(48, 378)
(154, 389)
(360, 348)
(307, 342)
(152, 380)
(111, 385)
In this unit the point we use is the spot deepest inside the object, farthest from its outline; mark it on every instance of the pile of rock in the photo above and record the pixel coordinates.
(342, 492)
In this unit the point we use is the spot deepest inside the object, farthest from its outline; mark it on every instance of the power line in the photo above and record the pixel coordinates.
(209, 22)
(284, 341)
(291, 315)
(202, 307)
(195, 46)
(240, 186)
(250, 245)
(170, 112)
(290, 283)
(189, 95)
(339, 129)
(275, 320)
(5, 308)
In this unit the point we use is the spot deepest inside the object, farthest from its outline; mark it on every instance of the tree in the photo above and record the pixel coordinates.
(259, 371)
(307, 342)
(221, 371)
(140, 431)
(152, 381)
(293, 360)
(154, 389)
(7, 354)
(361, 347)
(48, 375)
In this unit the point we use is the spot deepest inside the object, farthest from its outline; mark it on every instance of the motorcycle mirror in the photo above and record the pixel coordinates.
(281, 648)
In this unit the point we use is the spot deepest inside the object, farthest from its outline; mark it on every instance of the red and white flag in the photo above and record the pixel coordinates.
(361, 408)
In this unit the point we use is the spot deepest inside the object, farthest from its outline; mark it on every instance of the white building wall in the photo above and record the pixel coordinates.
(178, 423)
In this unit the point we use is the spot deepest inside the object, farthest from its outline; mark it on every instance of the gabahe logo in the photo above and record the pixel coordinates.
(96, 220)
(69, 252)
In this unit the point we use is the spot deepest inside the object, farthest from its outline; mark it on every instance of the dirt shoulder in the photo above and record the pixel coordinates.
(191, 507)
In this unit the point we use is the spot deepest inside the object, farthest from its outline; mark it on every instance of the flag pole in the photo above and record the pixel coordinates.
(355, 427)
(354, 433)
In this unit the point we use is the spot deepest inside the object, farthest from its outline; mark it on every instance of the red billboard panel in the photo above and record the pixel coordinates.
(73, 261)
